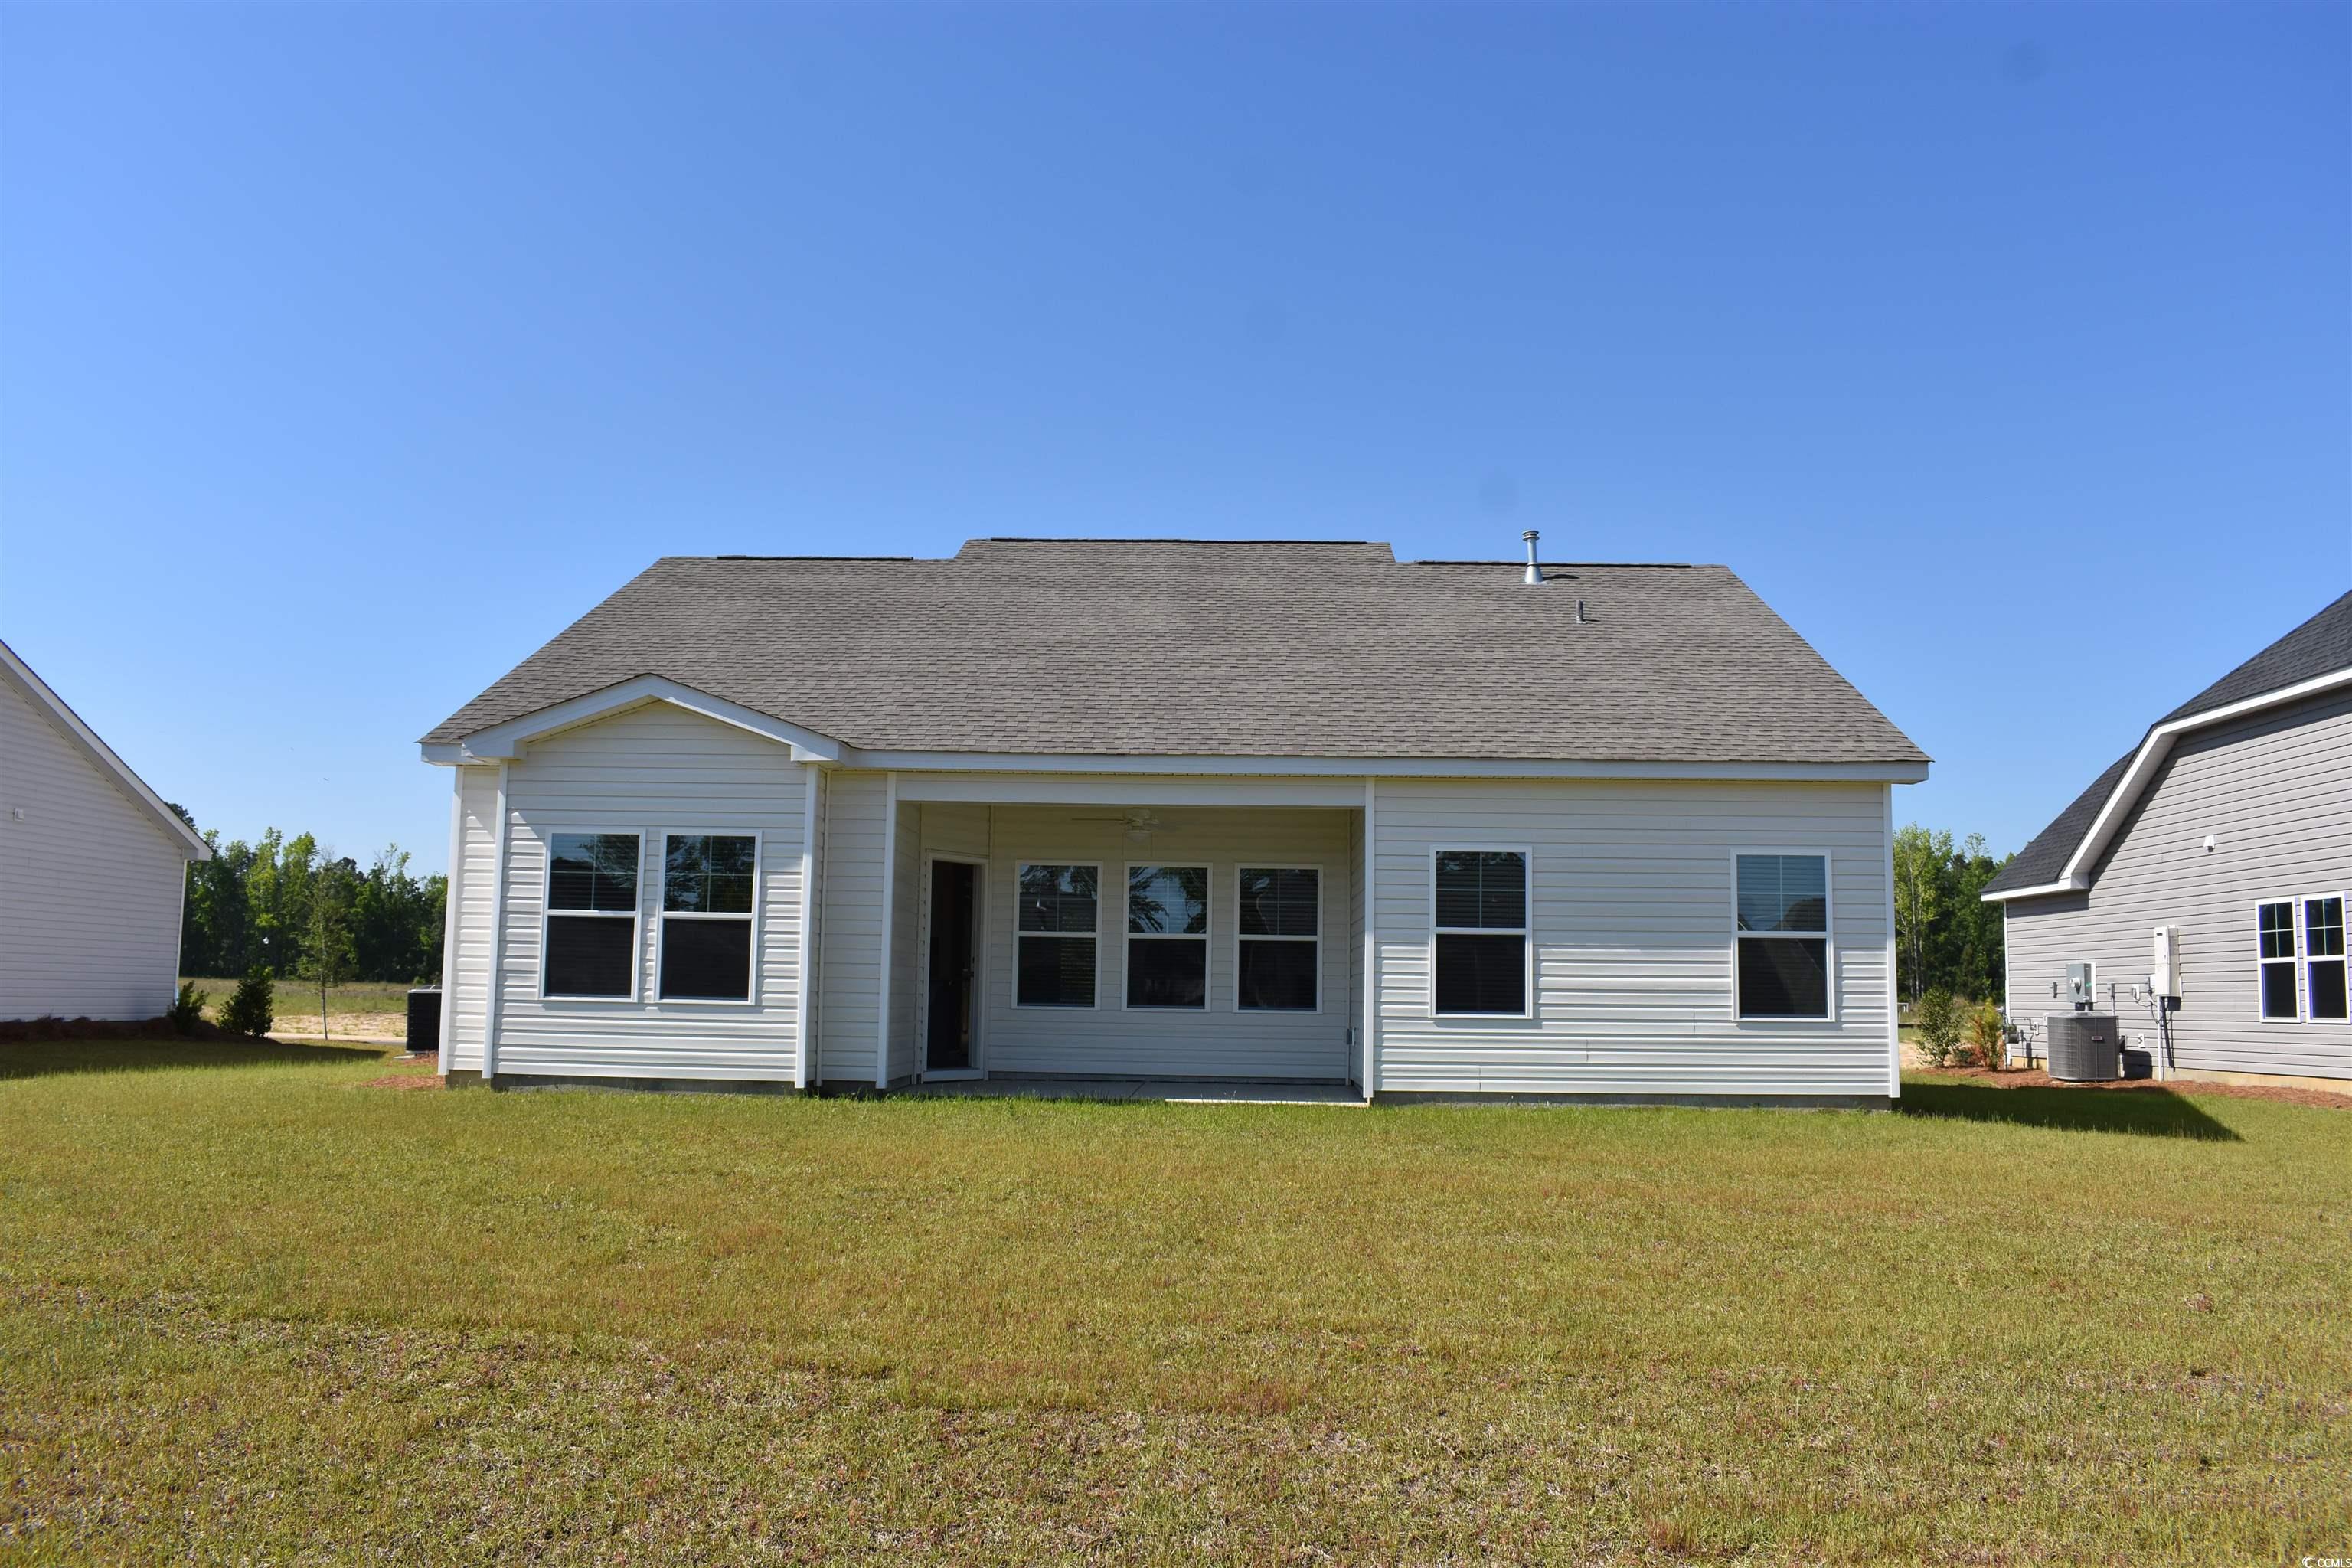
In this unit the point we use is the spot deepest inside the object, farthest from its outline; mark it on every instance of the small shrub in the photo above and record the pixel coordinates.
(254, 1008)
(1988, 1036)
(188, 1011)
(1940, 1024)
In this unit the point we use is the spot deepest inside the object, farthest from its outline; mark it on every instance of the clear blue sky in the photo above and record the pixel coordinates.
(348, 353)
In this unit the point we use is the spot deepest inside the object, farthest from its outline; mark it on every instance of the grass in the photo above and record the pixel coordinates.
(252, 1310)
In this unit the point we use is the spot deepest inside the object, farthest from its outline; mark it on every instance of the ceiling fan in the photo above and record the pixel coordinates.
(1141, 822)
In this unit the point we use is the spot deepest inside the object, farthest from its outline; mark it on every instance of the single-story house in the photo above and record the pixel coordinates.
(2225, 835)
(1283, 811)
(93, 867)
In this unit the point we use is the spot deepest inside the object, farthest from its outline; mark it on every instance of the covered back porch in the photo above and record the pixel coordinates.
(1127, 937)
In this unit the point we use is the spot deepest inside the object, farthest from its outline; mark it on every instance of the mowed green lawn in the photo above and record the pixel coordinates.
(253, 1310)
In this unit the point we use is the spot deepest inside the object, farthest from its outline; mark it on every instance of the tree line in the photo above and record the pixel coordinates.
(1947, 938)
(286, 906)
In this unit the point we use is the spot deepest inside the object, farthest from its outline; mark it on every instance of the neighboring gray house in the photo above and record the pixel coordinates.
(93, 867)
(2231, 822)
(1284, 811)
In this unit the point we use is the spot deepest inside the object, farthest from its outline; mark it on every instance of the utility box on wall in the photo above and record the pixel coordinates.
(2164, 971)
(2078, 985)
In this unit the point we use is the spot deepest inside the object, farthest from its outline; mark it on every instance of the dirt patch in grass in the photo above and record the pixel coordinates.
(2036, 1077)
(405, 1080)
(377, 1028)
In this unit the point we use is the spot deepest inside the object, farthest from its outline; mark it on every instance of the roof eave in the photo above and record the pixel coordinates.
(2075, 873)
(99, 753)
(505, 742)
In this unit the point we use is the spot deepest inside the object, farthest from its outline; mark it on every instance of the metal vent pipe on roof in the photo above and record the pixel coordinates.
(1535, 572)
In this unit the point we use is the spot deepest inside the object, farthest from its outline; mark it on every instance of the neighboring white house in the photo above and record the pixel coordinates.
(92, 866)
(2229, 825)
(1167, 808)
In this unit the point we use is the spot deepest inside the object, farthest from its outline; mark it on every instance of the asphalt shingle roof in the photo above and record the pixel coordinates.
(2321, 645)
(1142, 648)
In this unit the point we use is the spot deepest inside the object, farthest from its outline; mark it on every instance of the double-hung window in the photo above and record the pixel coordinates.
(2323, 957)
(1060, 916)
(1479, 961)
(1168, 936)
(589, 947)
(2274, 947)
(710, 883)
(1781, 929)
(1279, 938)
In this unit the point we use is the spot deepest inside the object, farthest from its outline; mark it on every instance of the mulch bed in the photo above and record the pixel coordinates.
(2034, 1078)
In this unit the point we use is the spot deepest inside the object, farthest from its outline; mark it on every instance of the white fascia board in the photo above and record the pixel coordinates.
(1381, 767)
(99, 753)
(2066, 885)
(505, 743)
(2151, 755)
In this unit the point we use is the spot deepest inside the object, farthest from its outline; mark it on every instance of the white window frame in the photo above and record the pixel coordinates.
(549, 913)
(1020, 935)
(1239, 936)
(2305, 962)
(662, 915)
(2293, 961)
(1828, 934)
(1208, 930)
(1525, 932)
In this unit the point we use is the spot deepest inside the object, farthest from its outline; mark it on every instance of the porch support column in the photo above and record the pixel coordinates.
(889, 927)
(498, 937)
(1371, 944)
(803, 1004)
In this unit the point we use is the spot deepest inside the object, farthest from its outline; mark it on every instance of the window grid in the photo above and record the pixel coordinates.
(1048, 894)
(2277, 996)
(714, 879)
(1780, 948)
(590, 878)
(1150, 885)
(1487, 901)
(1289, 887)
(2324, 970)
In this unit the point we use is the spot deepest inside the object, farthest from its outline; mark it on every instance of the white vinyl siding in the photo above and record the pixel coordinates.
(90, 886)
(650, 771)
(1629, 907)
(2275, 792)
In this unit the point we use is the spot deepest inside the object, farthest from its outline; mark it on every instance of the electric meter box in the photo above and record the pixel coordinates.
(2078, 985)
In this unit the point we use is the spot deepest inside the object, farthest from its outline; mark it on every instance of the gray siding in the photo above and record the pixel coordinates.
(1631, 909)
(90, 886)
(652, 771)
(2275, 792)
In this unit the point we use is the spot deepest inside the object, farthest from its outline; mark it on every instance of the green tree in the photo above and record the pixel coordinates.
(327, 953)
(1920, 865)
